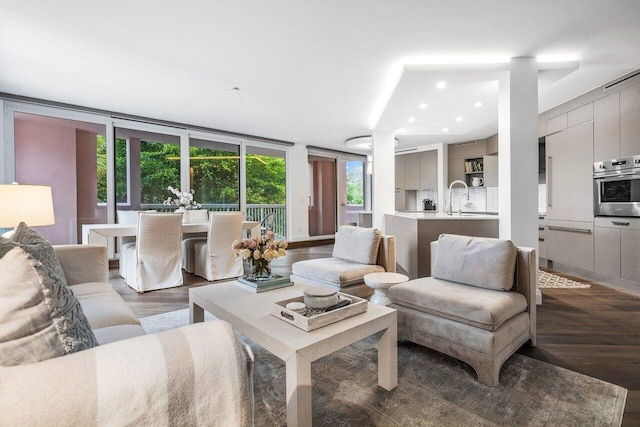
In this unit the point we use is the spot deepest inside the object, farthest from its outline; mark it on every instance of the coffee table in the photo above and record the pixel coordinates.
(249, 313)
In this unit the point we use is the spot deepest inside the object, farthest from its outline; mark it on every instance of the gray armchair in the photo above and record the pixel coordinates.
(479, 306)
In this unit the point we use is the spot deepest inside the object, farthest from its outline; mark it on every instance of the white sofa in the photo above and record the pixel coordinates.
(195, 375)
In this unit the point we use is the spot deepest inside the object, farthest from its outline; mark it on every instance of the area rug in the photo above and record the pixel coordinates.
(433, 390)
(548, 280)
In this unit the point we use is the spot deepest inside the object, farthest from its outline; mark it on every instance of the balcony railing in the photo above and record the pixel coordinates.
(254, 213)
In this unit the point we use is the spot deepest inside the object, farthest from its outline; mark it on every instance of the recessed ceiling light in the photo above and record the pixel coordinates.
(458, 119)
(423, 106)
(478, 104)
(400, 130)
(445, 129)
(412, 119)
(441, 85)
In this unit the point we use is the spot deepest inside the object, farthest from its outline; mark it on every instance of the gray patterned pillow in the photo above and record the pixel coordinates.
(66, 321)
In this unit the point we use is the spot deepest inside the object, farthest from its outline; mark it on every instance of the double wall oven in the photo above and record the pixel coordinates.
(616, 187)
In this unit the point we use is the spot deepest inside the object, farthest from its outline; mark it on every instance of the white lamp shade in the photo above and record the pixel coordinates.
(31, 204)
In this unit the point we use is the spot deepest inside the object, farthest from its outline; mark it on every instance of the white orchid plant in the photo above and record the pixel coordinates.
(182, 199)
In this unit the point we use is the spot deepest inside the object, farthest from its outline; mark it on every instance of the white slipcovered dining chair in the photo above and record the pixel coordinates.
(153, 261)
(126, 217)
(190, 239)
(214, 258)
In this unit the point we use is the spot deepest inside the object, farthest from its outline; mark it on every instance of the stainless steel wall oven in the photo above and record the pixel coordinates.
(616, 187)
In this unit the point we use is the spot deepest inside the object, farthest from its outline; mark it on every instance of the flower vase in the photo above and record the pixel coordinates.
(185, 214)
(260, 270)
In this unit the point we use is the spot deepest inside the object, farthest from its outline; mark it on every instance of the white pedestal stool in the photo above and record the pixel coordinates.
(380, 283)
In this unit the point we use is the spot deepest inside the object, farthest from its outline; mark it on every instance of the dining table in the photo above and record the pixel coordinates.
(99, 234)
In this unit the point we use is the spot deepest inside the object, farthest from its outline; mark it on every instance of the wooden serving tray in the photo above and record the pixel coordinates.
(357, 306)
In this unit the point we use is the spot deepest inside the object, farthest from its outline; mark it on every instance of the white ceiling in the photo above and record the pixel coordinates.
(309, 72)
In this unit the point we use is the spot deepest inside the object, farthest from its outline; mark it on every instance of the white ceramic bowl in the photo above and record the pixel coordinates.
(320, 297)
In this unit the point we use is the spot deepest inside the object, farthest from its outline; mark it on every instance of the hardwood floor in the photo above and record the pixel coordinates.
(593, 331)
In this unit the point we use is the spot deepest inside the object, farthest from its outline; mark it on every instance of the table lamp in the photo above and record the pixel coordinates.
(31, 204)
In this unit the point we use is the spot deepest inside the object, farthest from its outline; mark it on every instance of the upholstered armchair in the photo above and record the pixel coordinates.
(478, 306)
(357, 251)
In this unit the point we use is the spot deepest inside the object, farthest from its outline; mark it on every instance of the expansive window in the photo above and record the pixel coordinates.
(146, 164)
(266, 186)
(214, 174)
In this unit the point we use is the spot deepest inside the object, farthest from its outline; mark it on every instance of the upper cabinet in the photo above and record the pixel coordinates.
(411, 171)
(557, 124)
(428, 170)
(606, 128)
(490, 171)
(420, 170)
(580, 115)
(492, 145)
(400, 173)
(630, 121)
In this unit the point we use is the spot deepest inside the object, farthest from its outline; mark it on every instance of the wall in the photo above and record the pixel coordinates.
(45, 154)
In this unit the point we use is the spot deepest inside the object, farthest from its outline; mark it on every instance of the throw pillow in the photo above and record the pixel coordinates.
(66, 329)
(357, 244)
(477, 261)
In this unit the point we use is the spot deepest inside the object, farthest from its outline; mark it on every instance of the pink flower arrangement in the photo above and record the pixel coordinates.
(263, 247)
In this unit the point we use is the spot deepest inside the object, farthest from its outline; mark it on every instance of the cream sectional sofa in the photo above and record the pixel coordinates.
(194, 375)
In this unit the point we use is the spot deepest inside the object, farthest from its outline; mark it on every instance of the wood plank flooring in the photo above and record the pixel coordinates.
(593, 331)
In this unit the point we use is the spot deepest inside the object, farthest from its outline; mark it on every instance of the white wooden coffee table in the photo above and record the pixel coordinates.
(249, 313)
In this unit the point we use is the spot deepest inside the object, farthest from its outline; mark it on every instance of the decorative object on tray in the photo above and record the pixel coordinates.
(310, 319)
(276, 281)
(259, 252)
(320, 297)
(183, 199)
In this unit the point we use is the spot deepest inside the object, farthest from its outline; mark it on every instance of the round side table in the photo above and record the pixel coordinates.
(380, 283)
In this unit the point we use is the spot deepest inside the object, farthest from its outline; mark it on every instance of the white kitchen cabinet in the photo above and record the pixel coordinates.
(570, 243)
(630, 121)
(542, 242)
(557, 124)
(630, 254)
(411, 172)
(428, 170)
(580, 115)
(606, 128)
(490, 171)
(607, 251)
(570, 174)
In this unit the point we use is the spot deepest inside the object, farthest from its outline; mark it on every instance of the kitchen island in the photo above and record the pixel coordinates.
(415, 231)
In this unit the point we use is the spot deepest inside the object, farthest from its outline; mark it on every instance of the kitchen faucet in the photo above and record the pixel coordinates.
(457, 181)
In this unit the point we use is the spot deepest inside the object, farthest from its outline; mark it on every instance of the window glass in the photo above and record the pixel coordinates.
(355, 183)
(215, 174)
(266, 186)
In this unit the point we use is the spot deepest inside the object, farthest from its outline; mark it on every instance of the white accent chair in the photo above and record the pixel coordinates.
(357, 251)
(478, 306)
(190, 239)
(214, 258)
(153, 261)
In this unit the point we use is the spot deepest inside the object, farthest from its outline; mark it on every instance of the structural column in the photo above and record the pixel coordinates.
(518, 152)
(383, 179)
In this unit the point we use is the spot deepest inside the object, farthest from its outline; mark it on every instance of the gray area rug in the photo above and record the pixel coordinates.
(433, 390)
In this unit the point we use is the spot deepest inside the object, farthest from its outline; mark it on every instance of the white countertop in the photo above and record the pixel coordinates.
(432, 216)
